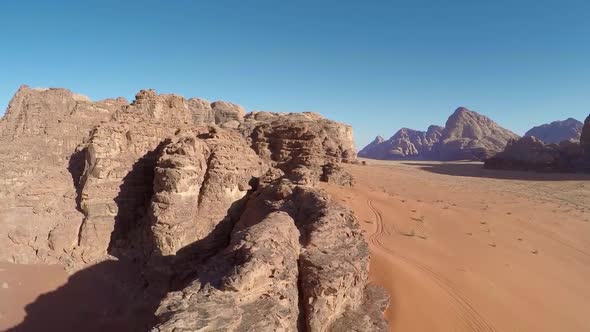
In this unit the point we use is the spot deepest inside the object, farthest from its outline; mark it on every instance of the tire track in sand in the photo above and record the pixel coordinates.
(471, 317)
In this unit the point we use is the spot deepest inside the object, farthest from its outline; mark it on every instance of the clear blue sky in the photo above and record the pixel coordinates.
(378, 65)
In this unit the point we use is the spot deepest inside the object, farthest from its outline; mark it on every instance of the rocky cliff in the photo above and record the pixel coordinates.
(557, 131)
(217, 212)
(404, 144)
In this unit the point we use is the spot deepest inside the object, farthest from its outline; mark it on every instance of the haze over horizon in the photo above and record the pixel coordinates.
(378, 66)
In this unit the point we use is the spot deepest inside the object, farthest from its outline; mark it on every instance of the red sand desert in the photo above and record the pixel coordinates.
(460, 248)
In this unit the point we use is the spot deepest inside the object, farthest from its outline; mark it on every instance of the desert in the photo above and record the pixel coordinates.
(281, 166)
(462, 248)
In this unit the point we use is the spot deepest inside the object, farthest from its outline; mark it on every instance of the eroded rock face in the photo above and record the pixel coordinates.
(472, 136)
(406, 144)
(294, 253)
(557, 131)
(227, 114)
(200, 179)
(165, 189)
(299, 144)
(124, 156)
(39, 134)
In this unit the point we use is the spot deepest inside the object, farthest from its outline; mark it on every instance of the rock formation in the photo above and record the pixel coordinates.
(299, 144)
(557, 131)
(531, 154)
(471, 136)
(216, 207)
(405, 144)
(294, 254)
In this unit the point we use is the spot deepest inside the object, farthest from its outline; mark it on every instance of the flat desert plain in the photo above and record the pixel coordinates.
(461, 248)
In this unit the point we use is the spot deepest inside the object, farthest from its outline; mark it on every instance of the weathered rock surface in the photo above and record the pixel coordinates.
(169, 191)
(300, 144)
(294, 254)
(200, 179)
(39, 134)
(471, 136)
(405, 144)
(557, 131)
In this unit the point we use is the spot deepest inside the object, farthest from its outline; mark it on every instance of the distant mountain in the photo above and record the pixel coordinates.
(466, 135)
(404, 144)
(472, 136)
(557, 131)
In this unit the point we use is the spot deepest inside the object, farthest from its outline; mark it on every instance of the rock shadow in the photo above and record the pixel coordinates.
(76, 166)
(130, 237)
(108, 296)
(473, 169)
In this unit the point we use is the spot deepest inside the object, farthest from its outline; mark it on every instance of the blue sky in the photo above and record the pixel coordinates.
(378, 65)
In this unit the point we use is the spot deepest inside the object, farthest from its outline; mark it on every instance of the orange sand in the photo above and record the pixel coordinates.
(460, 248)
(21, 284)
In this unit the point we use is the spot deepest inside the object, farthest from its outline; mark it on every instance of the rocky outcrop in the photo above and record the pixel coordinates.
(228, 114)
(294, 254)
(405, 144)
(201, 177)
(299, 144)
(530, 154)
(471, 136)
(39, 134)
(557, 131)
(227, 221)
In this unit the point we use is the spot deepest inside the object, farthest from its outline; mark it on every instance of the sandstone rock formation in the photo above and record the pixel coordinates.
(557, 131)
(405, 144)
(472, 136)
(299, 144)
(219, 208)
(39, 134)
(529, 153)
(294, 254)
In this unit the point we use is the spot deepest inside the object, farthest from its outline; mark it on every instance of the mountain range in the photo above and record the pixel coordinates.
(467, 135)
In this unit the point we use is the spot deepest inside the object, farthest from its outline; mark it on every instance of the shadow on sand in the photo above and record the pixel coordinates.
(104, 297)
(474, 169)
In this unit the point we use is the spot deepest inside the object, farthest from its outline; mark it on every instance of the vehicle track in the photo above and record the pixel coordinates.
(471, 317)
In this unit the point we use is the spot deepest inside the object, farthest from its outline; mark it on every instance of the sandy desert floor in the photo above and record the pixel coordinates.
(461, 248)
